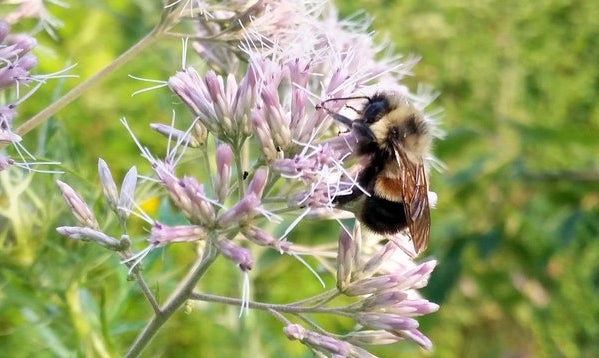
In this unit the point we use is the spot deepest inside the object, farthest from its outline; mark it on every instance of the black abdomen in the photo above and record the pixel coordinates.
(383, 216)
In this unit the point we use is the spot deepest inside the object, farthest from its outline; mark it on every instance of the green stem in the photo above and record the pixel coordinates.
(146, 291)
(287, 308)
(176, 300)
(239, 166)
(73, 94)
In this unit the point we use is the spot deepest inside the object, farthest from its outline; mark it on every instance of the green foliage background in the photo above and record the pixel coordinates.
(515, 230)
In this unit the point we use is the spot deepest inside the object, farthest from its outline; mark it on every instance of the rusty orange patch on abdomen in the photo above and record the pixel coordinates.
(388, 188)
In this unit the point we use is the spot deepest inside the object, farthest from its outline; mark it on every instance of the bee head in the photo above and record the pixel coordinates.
(375, 109)
(395, 123)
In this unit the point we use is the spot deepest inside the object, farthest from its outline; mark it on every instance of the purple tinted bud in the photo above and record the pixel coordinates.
(372, 337)
(275, 116)
(5, 162)
(263, 135)
(7, 136)
(175, 134)
(245, 99)
(7, 114)
(199, 133)
(79, 208)
(317, 341)
(23, 43)
(374, 284)
(161, 234)
(418, 276)
(201, 209)
(190, 87)
(413, 307)
(386, 321)
(215, 87)
(240, 255)
(299, 73)
(224, 158)
(127, 193)
(373, 265)
(295, 332)
(383, 300)
(345, 259)
(258, 182)
(88, 234)
(417, 336)
(27, 62)
(108, 185)
(262, 238)
(173, 185)
(12, 74)
(244, 210)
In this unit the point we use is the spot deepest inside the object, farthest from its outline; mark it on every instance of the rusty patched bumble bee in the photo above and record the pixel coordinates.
(397, 139)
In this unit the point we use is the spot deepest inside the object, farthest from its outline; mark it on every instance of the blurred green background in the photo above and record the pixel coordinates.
(515, 230)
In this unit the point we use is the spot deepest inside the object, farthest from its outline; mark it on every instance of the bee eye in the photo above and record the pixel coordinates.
(375, 110)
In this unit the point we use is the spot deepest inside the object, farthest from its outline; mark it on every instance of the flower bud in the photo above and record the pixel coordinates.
(260, 237)
(175, 134)
(263, 135)
(79, 208)
(127, 193)
(161, 234)
(244, 210)
(258, 183)
(108, 185)
(386, 321)
(5, 162)
(240, 255)
(372, 337)
(345, 259)
(88, 234)
(224, 158)
(317, 341)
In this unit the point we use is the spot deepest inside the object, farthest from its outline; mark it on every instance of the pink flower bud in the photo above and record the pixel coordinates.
(386, 321)
(108, 185)
(241, 256)
(201, 209)
(263, 135)
(161, 234)
(126, 198)
(262, 238)
(258, 182)
(224, 158)
(420, 339)
(317, 341)
(5, 162)
(88, 234)
(244, 210)
(79, 208)
(377, 260)
(345, 259)
(372, 337)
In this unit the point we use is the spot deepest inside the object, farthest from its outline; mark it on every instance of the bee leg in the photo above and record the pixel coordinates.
(344, 199)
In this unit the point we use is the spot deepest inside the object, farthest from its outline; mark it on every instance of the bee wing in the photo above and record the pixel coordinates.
(415, 198)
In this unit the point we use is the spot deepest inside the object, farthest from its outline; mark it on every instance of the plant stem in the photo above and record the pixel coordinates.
(265, 306)
(177, 298)
(146, 291)
(73, 94)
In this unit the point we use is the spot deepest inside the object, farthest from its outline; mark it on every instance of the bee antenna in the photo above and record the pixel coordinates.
(341, 118)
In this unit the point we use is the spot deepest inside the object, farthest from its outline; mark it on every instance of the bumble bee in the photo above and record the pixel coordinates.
(396, 138)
